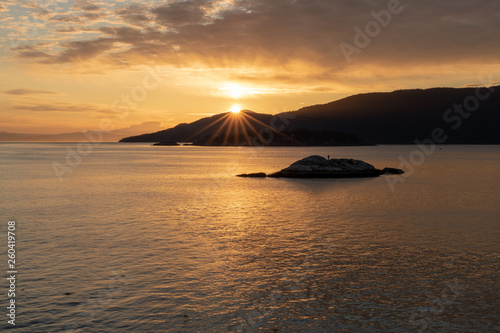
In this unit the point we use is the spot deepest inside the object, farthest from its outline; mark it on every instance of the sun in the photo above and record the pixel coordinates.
(235, 109)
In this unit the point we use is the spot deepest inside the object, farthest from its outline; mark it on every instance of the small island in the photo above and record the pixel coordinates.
(319, 167)
(166, 143)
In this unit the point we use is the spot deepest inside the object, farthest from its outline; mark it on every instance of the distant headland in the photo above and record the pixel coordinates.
(463, 115)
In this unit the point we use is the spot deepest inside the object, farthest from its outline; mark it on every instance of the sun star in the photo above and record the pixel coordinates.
(235, 109)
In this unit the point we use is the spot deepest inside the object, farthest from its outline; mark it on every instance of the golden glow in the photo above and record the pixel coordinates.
(235, 109)
(234, 90)
(67, 77)
(72, 102)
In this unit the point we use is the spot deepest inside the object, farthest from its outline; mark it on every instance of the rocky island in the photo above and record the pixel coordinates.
(319, 167)
(166, 143)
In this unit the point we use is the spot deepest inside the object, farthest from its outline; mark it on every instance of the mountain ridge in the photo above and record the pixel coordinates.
(397, 117)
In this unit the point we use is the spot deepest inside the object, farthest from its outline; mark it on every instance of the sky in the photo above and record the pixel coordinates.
(69, 66)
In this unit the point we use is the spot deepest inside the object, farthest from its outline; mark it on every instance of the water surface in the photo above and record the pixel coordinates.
(166, 239)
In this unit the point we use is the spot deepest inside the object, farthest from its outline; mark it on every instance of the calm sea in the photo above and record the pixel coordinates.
(136, 238)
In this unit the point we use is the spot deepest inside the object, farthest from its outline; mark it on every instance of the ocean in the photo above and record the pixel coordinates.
(121, 237)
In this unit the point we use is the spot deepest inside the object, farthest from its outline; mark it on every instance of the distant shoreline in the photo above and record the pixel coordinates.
(291, 146)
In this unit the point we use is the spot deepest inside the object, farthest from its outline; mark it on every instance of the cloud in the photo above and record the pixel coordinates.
(45, 107)
(136, 14)
(75, 30)
(66, 107)
(87, 6)
(66, 18)
(296, 39)
(29, 92)
(478, 85)
(83, 50)
(183, 13)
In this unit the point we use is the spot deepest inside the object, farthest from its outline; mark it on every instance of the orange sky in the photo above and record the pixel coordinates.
(67, 65)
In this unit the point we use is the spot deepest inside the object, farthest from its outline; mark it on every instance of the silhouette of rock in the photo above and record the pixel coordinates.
(253, 175)
(319, 167)
(391, 171)
(166, 143)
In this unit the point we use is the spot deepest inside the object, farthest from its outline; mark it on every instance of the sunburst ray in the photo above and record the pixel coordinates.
(274, 130)
(208, 126)
(221, 127)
